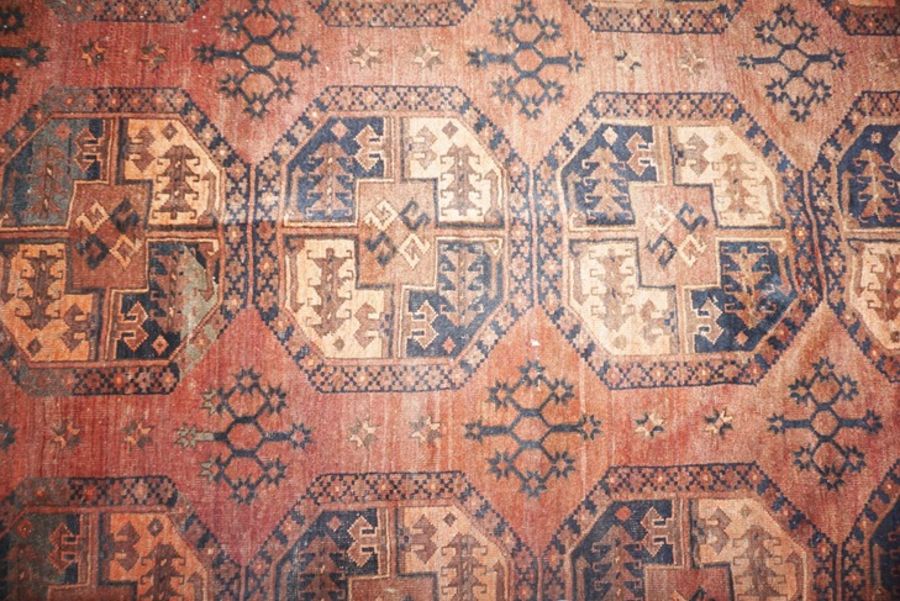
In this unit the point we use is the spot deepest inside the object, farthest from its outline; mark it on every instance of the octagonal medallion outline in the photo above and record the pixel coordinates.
(331, 492)
(156, 376)
(98, 498)
(406, 374)
(688, 483)
(688, 109)
(868, 109)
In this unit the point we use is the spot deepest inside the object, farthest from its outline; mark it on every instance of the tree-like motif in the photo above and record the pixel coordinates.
(246, 408)
(259, 55)
(828, 455)
(530, 428)
(526, 35)
(792, 53)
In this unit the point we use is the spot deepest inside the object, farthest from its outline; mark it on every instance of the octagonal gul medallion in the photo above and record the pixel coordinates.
(108, 539)
(699, 532)
(121, 244)
(393, 239)
(397, 535)
(855, 188)
(674, 247)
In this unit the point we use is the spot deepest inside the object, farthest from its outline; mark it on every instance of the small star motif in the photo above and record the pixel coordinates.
(426, 430)
(692, 62)
(427, 57)
(887, 62)
(137, 434)
(154, 55)
(7, 436)
(93, 53)
(365, 57)
(650, 425)
(627, 62)
(719, 423)
(362, 433)
(66, 435)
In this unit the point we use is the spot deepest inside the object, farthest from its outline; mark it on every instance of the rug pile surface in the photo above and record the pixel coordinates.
(449, 300)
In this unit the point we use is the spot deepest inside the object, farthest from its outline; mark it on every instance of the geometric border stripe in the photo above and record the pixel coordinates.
(855, 547)
(663, 17)
(858, 20)
(391, 13)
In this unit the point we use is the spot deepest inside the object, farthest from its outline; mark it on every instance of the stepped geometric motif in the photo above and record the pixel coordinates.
(278, 291)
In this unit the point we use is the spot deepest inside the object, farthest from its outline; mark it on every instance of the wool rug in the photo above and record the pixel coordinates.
(449, 300)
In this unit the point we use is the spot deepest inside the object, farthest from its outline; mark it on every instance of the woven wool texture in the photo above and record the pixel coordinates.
(449, 300)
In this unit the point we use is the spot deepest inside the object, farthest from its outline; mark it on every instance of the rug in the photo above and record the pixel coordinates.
(449, 300)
